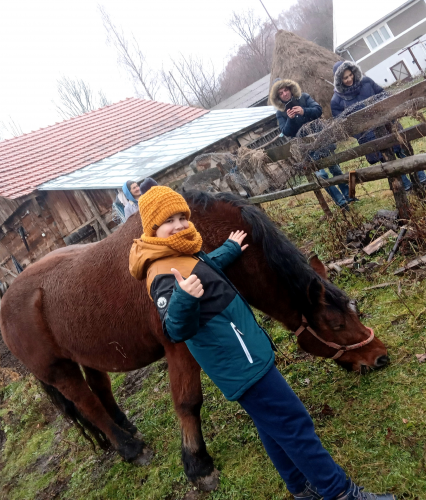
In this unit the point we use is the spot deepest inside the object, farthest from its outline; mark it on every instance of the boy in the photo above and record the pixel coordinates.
(207, 312)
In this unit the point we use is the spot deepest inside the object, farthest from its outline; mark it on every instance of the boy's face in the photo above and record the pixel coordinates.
(172, 225)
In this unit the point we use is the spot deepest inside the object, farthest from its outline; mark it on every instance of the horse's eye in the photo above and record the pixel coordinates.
(338, 327)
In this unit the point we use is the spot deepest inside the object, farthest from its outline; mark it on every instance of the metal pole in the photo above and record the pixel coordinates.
(272, 21)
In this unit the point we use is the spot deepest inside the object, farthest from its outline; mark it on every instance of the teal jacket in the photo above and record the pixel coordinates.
(219, 328)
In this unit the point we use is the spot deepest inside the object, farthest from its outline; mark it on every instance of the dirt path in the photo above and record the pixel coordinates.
(8, 360)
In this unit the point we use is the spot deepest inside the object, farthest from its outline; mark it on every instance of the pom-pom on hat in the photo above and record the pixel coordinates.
(157, 205)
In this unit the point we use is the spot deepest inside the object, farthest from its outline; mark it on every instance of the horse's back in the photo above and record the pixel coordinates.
(78, 301)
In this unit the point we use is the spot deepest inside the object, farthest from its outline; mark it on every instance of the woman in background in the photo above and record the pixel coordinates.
(350, 88)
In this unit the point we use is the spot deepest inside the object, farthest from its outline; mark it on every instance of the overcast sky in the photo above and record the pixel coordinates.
(40, 40)
(351, 19)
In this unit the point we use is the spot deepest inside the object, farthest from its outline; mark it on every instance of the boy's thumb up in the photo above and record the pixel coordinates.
(177, 274)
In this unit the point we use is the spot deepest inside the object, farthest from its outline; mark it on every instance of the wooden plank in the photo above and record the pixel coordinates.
(374, 173)
(372, 116)
(420, 261)
(96, 213)
(381, 285)
(72, 200)
(377, 244)
(407, 135)
(352, 183)
(58, 204)
(83, 205)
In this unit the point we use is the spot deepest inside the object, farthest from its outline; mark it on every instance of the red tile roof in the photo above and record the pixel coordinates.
(31, 159)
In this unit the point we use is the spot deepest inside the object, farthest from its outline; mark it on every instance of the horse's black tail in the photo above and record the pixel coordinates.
(69, 410)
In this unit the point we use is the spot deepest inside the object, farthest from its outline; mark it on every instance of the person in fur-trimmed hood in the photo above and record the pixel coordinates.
(296, 108)
(352, 87)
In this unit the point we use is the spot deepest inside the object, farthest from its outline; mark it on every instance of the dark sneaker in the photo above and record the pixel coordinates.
(353, 200)
(355, 492)
(310, 493)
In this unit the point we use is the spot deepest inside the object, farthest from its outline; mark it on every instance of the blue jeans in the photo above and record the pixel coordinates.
(288, 435)
(339, 197)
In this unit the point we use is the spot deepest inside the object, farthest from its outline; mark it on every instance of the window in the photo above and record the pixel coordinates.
(378, 37)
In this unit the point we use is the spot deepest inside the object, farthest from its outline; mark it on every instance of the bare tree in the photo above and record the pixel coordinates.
(131, 58)
(197, 80)
(174, 89)
(10, 127)
(257, 34)
(76, 97)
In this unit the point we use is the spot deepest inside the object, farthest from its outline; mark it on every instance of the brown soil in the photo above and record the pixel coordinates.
(306, 63)
(8, 360)
(134, 380)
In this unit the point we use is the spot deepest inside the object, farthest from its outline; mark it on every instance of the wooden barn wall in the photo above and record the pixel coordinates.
(70, 209)
(8, 207)
(55, 214)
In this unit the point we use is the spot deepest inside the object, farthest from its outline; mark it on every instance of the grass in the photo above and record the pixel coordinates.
(373, 425)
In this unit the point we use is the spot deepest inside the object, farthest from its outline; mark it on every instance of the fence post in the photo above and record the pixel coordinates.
(320, 196)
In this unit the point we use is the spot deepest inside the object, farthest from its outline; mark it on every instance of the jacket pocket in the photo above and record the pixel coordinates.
(239, 337)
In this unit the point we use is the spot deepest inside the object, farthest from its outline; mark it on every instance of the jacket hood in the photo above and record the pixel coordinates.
(127, 193)
(339, 68)
(143, 255)
(279, 84)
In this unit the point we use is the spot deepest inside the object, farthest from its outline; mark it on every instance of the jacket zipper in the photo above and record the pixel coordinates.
(221, 273)
(239, 334)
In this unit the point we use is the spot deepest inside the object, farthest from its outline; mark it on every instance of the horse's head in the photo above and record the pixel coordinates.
(276, 278)
(331, 327)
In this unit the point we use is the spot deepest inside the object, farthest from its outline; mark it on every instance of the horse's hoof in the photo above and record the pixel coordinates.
(138, 435)
(144, 458)
(208, 483)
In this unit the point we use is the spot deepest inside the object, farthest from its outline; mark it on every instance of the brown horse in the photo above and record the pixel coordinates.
(79, 307)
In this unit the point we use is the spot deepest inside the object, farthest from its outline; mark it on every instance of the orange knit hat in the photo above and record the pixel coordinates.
(157, 205)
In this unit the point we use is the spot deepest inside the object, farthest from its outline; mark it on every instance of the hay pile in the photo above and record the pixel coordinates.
(307, 63)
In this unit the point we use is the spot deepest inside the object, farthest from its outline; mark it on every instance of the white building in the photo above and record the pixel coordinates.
(387, 47)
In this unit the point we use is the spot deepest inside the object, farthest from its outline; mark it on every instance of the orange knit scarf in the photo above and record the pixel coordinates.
(187, 241)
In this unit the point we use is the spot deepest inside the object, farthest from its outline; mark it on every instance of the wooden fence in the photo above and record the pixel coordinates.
(408, 102)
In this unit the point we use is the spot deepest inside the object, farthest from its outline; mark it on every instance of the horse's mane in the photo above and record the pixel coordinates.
(284, 258)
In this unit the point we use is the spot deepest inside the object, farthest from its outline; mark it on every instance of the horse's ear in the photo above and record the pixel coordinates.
(317, 266)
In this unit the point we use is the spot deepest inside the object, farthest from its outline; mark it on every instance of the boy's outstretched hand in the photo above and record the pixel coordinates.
(192, 285)
(238, 237)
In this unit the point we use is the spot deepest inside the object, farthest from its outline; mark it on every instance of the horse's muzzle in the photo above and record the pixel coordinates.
(381, 361)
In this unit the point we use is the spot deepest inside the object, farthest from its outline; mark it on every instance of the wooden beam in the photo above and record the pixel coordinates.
(391, 108)
(320, 197)
(96, 213)
(368, 174)
(407, 135)
(352, 183)
(8, 271)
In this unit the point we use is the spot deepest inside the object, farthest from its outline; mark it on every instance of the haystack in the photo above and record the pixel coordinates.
(308, 64)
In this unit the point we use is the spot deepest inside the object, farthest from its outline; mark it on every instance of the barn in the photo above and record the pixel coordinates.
(58, 184)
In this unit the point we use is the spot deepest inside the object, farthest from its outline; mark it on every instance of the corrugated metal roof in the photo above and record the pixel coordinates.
(247, 97)
(31, 159)
(150, 157)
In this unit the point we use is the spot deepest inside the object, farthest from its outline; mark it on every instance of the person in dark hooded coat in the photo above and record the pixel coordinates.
(351, 88)
(294, 110)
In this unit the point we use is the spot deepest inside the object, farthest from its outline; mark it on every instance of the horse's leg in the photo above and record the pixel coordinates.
(185, 384)
(65, 376)
(100, 383)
